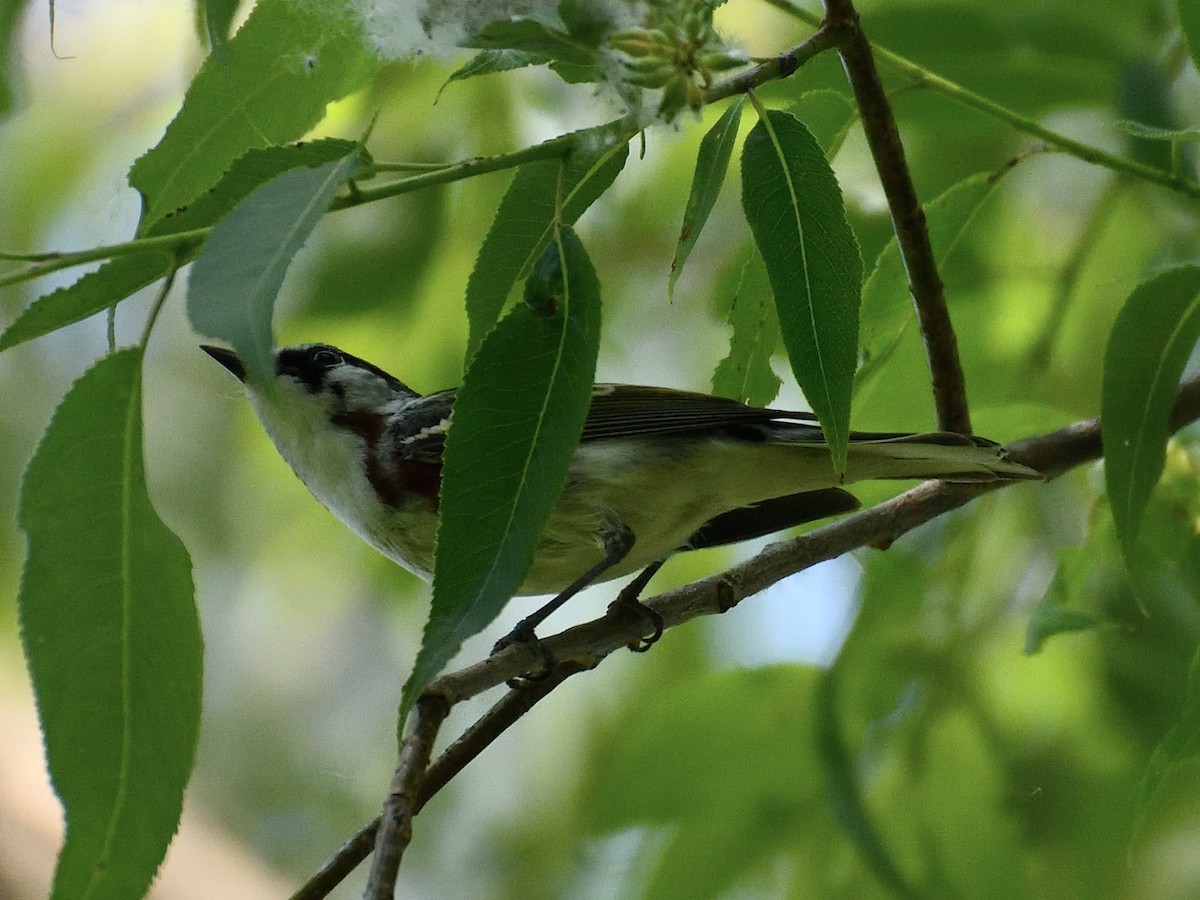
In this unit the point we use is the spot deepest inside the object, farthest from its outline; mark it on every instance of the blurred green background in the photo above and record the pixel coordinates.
(702, 768)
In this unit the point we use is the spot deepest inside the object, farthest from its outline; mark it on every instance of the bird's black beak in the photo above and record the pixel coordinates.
(228, 359)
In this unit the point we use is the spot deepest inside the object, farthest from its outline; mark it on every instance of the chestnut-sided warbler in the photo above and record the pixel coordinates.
(656, 471)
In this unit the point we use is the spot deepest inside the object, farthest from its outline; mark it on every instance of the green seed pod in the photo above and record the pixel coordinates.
(653, 78)
(635, 43)
(674, 97)
(720, 60)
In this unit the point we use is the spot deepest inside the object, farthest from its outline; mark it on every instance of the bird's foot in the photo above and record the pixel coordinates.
(627, 603)
(524, 634)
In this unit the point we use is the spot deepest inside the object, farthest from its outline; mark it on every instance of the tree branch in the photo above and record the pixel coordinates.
(782, 66)
(908, 218)
(395, 822)
(584, 646)
(926, 79)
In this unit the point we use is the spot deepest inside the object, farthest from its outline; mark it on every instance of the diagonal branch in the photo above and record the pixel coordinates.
(908, 218)
(584, 646)
(395, 822)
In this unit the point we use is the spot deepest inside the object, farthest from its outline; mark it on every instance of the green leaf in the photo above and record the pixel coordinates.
(829, 115)
(488, 62)
(517, 421)
(10, 12)
(218, 21)
(535, 37)
(1189, 22)
(794, 206)
(1152, 133)
(249, 171)
(1054, 615)
(93, 292)
(760, 717)
(111, 637)
(1147, 350)
(746, 373)
(712, 162)
(123, 275)
(524, 222)
(1180, 744)
(887, 309)
(845, 796)
(726, 822)
(282, 67)
(233, 285)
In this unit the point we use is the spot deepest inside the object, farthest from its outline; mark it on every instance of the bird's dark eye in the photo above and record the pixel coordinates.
(325, 358)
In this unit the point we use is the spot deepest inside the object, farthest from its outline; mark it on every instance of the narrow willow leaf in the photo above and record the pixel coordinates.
(9, 13)
(1148, 348)
(762, 717)
(1189, 22)
(487, 62)
(111, 637)
(746, 373)
(233, 285)
(218, 21)
(529, 35)
(93, 292)
(524, 222)
(1180, 744)
(841, 787)
(717, 832)
(794, 206)
(517, 421)
(281, 69)
(828, 114)
(712, 162)
(1054, 615)
(122, 276)
(887, 309)
(249, 171)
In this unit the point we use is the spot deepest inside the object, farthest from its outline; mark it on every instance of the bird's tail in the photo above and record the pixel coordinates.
(937, 454)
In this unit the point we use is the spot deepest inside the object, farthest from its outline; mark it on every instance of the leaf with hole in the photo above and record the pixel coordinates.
(745, 374)
(524, 222)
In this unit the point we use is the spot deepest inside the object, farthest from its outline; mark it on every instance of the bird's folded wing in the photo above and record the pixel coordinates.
(626, 410)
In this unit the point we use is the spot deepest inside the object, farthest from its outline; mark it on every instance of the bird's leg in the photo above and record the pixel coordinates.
(628, 601)
(616, 544)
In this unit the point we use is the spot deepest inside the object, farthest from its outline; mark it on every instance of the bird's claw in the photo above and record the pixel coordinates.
(524, 634)
(632, 606)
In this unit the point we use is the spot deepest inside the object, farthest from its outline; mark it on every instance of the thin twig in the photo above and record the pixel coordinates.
(339, 866)
(395, 823)
(477, 738)
(621, 132)
(186, 243)
(782, 66)
(1069, 276)
(181, 243)
(493, 723)
(927, 79)
(908, 219)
